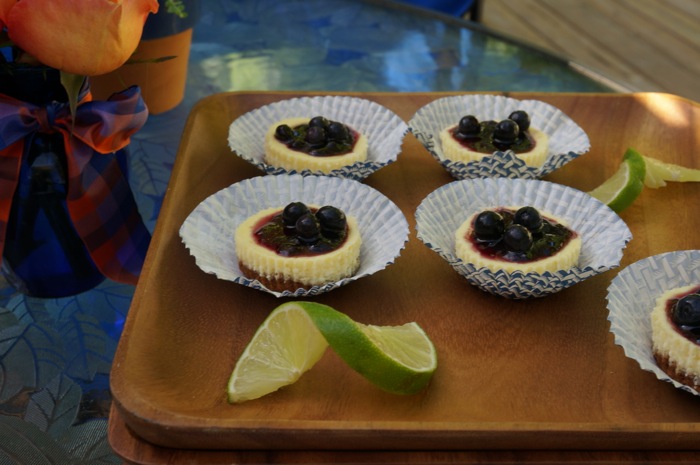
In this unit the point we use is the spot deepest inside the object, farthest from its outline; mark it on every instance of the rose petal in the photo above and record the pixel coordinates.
(5, 7)
(86, 37)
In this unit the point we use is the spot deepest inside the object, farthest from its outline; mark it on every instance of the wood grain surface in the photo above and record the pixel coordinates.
(644, 45)
(517, 375)
(135, 451)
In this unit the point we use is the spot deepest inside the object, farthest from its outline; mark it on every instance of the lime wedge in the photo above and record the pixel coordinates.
(658, 172)
(285, 346)
(624, 186)
(398, 359)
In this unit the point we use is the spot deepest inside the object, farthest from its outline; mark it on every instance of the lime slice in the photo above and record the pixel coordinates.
(286, 345)
(624, 186)
(398, 359)
(658, 172)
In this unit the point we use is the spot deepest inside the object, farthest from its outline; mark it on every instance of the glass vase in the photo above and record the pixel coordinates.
(43, 255)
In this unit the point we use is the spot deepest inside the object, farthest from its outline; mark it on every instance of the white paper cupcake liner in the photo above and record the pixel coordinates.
(632, 296)
(566, 139)
(383, 128)
(604, 235)
(208, 232)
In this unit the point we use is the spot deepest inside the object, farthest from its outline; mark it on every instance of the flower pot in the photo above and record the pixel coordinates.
(162, 83)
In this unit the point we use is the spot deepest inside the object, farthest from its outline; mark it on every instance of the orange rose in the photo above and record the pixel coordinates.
(85, 37)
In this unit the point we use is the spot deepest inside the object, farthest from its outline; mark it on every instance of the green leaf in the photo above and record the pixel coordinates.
(176, 7)
(72, 83)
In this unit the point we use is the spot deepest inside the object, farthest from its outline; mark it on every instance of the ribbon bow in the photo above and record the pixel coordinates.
(99, 200)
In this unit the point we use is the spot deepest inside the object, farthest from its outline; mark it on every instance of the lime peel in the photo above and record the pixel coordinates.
(636, 171)
(379, 353)
(398, 359)
(624, 186)
(658, 172)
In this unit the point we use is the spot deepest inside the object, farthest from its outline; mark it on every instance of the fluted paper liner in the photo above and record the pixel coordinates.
(208, 232)
(383, 128)
(604, 235)
(632, 296)
(566, 139)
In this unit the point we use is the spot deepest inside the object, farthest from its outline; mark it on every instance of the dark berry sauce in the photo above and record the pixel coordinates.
(484, 142)
(547, 240)
(271, 233)
(689, 329)
(319, 137)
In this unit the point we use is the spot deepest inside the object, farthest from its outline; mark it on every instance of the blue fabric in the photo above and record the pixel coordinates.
(451, 7)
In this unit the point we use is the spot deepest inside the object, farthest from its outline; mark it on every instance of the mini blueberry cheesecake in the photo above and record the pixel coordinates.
(298, 246)
(517, 239)
(317, 144)
(675, 324)
(471, 139)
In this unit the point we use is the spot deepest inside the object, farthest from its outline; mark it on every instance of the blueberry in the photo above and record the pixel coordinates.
(506, 132)
(338, 131)
(517, 238)
(521, 118)
(469, 126)
(528, 217)
(687, 310)
(284, 133)
(307, 228)
(331, 220)
(489, 226)
(293, 212)
(319, 121)
(316, 136)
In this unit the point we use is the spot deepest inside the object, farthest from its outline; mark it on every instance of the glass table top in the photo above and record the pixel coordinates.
(55, 354)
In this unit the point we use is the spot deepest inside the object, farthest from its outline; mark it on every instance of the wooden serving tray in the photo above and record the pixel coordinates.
(541, 373)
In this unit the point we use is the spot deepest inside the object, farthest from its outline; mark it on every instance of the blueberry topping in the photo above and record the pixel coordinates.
(528, 217)
(308, 229)
(338, 132)
(319, 121)
(469, 126)
(284, 133)
(332, 220)
(488, 136)
(301, 230)
(489, 226)
(316, 136)
(320, 137)
(521, 118)
(545, 246)
(518, 238)
(331, 147)
(298, 144)
(686, 312)
(506, 132)
(293, 212)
